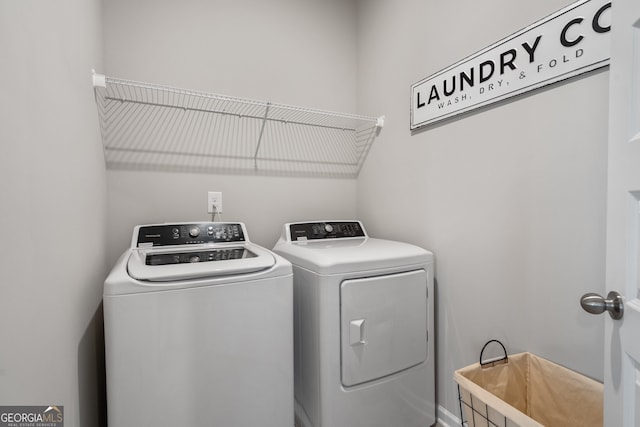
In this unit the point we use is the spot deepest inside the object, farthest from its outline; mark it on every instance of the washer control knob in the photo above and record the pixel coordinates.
(194, 258)
(194, 231)
(328, 228)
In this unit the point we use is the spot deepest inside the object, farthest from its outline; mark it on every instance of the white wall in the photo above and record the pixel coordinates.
(286, 51)
(511, 199)
(52, 254)
(264, 204)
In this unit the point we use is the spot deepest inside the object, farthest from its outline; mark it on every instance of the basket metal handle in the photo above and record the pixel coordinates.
(494, 361)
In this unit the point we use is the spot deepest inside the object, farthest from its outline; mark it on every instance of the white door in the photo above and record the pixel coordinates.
(622, 337)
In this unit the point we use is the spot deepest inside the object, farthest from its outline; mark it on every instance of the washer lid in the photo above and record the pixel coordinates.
(197, 261)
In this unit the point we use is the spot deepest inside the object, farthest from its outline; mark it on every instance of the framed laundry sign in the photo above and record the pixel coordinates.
(572, 41)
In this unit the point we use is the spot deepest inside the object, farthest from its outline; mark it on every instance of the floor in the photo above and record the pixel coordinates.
(435, 425)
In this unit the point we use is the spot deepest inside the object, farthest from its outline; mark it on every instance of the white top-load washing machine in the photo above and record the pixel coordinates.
(199, 330)
(363, 327)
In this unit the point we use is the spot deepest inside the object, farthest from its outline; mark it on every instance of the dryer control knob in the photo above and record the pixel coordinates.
(328, 228)
(194, 232)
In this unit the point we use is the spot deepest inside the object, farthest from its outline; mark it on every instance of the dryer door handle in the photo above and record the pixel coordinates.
(356, 332)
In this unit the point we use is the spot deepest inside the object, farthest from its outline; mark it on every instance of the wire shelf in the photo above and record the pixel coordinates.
(152, 127)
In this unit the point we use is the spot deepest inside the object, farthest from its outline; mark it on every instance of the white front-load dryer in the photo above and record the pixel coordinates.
(363, 327)
(199, 330)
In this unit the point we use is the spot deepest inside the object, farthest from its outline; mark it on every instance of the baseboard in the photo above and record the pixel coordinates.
(446, 418)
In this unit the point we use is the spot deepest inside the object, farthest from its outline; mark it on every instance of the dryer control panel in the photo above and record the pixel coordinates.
(303, 231)
(189, 233)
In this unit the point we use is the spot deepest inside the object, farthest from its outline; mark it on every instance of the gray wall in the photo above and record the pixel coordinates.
(52, 255)
(285, 51)
(511, 199)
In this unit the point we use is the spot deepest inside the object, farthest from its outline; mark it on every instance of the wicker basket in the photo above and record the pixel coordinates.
(527, 391)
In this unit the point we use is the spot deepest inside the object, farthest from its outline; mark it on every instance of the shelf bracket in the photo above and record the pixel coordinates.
(99, 80)
(264, 123)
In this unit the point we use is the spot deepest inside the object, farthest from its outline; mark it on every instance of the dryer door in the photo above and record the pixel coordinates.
(383, 325)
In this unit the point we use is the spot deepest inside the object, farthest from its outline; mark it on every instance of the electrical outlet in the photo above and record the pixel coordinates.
(215, 202)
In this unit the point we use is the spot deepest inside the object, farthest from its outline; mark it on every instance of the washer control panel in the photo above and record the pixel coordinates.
(325, 230)
(198, 256)
(190, 233)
